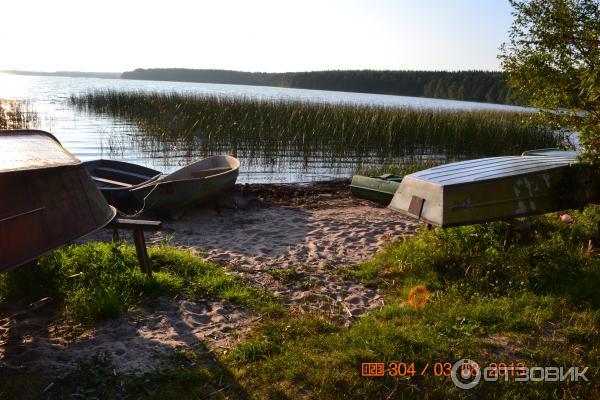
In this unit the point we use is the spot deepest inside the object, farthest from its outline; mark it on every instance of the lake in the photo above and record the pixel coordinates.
(91, 136)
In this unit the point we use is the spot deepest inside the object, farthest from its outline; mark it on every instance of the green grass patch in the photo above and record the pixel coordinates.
(496, 296)
(326, 362)
(102, 280)
(285, 275)
(190, 377)
(494, 260)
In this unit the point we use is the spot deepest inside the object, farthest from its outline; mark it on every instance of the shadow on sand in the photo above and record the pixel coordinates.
(168, 344)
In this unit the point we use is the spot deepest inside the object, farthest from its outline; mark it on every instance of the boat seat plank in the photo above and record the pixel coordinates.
(138, 226)
(135, 224)
(122, 172)
(110, 182)
(209, 172)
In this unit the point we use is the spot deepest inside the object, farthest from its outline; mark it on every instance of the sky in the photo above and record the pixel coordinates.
(252, 35)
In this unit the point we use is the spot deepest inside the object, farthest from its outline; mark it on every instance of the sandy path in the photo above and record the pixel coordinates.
(297, 253)
(295, 242)
(38, 340)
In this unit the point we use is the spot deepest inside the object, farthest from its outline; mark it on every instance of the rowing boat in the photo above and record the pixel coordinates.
(495, 188)
(375, 188)
(130, 186)
(116, 179)
(47, 197)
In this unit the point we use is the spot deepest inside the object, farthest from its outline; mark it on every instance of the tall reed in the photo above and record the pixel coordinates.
(278, 128)
(16, 114)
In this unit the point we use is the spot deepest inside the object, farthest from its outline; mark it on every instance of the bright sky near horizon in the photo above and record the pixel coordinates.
(252, 35)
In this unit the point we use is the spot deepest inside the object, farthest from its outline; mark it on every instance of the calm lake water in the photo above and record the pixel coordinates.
(91, 136)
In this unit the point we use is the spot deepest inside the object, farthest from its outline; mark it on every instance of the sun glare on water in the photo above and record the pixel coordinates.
(14, 86)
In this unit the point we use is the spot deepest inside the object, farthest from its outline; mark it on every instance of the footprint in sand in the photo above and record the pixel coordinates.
(182, 325)
(352, 239)
(119, 348)
(353, 299)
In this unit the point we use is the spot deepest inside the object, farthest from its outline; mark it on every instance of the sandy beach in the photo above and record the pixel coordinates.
(295, 241)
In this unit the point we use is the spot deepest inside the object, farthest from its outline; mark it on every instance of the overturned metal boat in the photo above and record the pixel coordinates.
(130, 186)
(47, 198)
(496, 188)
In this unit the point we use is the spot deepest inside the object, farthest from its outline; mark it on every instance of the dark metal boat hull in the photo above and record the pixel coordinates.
(47, 206)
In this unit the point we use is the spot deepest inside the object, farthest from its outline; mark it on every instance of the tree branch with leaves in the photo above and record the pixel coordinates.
(552, 59)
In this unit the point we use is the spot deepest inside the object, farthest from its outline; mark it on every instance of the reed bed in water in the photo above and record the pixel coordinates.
(16, 114)
(289, 128)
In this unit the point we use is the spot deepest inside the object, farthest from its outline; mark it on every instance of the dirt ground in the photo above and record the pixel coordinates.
(294, 241)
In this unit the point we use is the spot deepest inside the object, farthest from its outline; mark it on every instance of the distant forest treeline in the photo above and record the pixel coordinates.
(481, 86)
(71, 74)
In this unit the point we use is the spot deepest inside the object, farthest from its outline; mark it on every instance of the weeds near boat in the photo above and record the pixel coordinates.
(274, 130)
(397, 169)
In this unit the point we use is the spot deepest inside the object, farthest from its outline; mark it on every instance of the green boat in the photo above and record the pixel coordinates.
(131, 187)
(192, 184)
(377, 188)
(496, 188)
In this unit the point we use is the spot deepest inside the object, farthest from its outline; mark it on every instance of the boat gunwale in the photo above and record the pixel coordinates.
(130, 187)
(160, 182)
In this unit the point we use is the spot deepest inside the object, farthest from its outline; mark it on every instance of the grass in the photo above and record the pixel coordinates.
(271, 130)
(493, 298)
(15, 114)
(532, 299)
(96, 379)
(497, 294)
(102, 280)
(286, 275)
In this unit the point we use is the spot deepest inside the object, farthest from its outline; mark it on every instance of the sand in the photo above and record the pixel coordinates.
(139, 342)
(294, 241)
